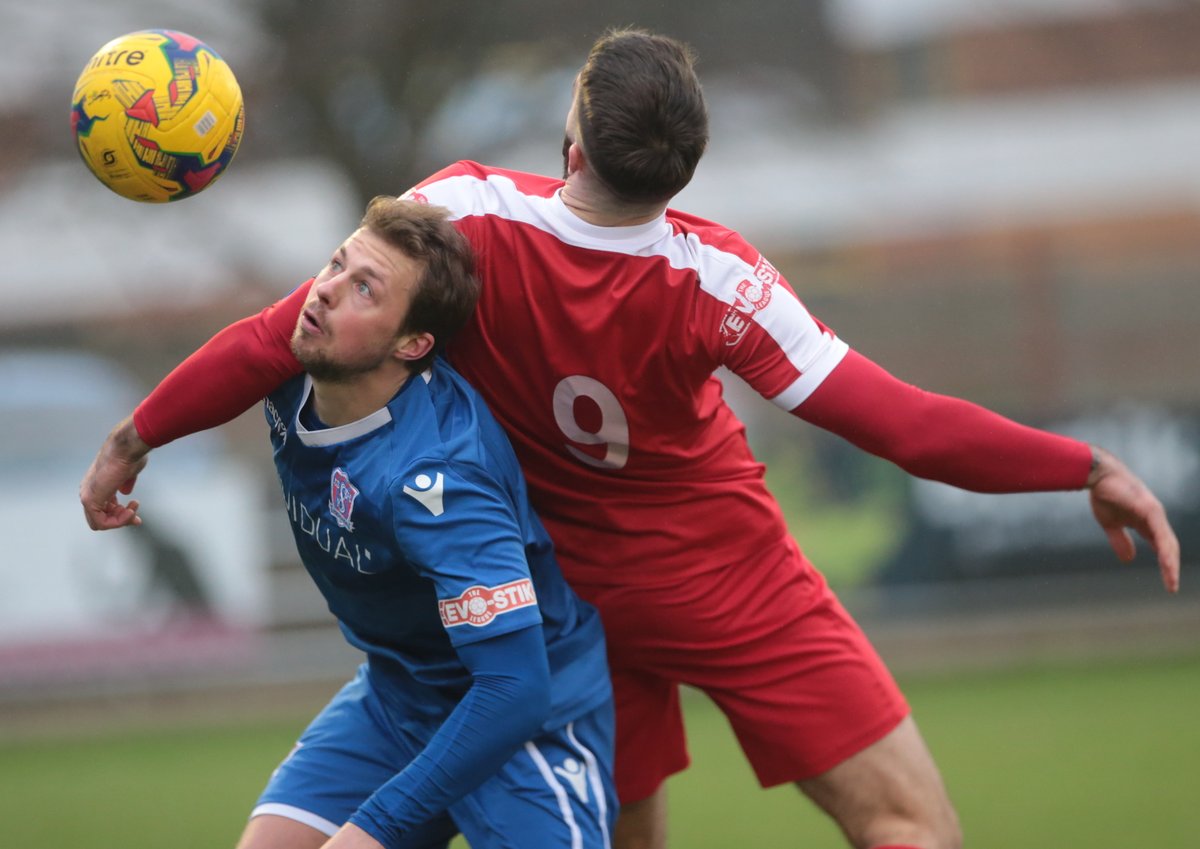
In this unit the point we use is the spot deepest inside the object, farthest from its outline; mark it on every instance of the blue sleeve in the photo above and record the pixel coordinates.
(507, 703)
(458, 527)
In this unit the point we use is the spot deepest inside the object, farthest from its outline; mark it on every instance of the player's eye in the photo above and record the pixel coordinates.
(363, 288)
(335, 264)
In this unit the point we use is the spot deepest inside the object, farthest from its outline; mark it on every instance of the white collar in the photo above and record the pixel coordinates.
(341, 433)
(629, 238)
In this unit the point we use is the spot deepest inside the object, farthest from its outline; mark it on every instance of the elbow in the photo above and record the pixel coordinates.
(915, 459)
(520, 705)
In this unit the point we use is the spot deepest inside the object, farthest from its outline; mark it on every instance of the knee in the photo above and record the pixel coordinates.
(934, 825)
(902, 818)
(946, 827)
(947, 831)
(956, 837)
(638, 835)
(932, 828)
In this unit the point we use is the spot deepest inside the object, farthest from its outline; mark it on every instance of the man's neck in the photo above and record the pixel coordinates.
(339, 403)
(596, 206)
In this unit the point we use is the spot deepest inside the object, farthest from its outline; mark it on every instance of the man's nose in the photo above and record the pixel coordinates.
(327, 290)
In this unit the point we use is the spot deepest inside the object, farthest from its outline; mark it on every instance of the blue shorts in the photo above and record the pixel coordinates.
(556, 791)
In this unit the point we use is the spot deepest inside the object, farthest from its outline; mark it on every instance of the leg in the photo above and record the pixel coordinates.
(808, 698)
(890, 793)
(643, 824)
(272, 832)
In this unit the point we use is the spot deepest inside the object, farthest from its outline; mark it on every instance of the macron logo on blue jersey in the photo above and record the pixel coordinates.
(428, 492)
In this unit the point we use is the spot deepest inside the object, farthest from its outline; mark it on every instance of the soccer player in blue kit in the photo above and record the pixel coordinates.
(484, 705)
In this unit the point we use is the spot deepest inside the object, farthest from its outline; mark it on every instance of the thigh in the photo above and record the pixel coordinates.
(556, 791)
(340, 760)
(890, 792)
(266, 831)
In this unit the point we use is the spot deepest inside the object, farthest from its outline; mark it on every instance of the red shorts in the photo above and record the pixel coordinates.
(770, 644)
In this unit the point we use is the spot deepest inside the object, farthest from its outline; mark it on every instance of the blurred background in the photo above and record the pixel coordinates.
(999, 201)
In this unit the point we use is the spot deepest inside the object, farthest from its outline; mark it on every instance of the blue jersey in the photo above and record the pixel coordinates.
(415, 525)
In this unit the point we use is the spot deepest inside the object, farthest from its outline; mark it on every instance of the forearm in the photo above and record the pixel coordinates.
(505, 706)
(942, 438)
(125, 444)
(231, 372)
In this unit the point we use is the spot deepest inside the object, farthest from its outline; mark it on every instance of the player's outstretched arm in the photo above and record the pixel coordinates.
(115, 470)
(1120, 503)
(951, 440)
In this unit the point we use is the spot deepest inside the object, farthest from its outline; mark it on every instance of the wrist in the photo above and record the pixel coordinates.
(127, 442)
(1101, 463)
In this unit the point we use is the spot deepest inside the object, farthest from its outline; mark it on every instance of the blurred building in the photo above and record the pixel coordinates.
(1011, 209)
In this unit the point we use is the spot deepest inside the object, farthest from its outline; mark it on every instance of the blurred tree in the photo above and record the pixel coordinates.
(362, 82)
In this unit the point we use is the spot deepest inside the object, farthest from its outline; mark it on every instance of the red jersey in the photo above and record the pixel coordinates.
(596, 348)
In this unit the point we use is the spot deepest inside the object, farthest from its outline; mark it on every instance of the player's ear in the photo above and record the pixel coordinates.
(575, 158)
(413, 346)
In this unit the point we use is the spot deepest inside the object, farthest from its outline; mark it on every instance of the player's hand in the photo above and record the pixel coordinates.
(115, 470)
(1120, 502)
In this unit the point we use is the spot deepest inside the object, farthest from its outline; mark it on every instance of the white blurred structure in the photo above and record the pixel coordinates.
(191, 581)
(890, 22)
(944, 142)
(48, 42)
(79, 252)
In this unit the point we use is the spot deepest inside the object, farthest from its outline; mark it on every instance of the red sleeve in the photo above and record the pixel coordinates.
(232, 371)
(942, 438)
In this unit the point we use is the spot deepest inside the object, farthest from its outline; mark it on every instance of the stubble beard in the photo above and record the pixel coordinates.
(321, 367)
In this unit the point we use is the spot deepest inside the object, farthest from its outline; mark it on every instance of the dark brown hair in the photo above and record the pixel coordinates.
(447, 288)
(642, 118)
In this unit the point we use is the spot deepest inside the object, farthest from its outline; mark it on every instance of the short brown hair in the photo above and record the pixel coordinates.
(447, 289)
(642, 118)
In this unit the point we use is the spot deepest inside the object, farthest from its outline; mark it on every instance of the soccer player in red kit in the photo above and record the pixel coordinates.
(602, 318)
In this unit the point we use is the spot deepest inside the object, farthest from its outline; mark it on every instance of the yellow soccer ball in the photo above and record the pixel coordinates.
(157, 115)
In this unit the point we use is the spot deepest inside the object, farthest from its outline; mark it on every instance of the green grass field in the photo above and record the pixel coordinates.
(1095, 757)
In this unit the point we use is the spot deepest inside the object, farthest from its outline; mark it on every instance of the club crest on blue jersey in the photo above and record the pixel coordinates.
(341, 497)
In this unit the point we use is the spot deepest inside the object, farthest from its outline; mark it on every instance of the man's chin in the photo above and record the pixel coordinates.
(324, 370)
(315, 363)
